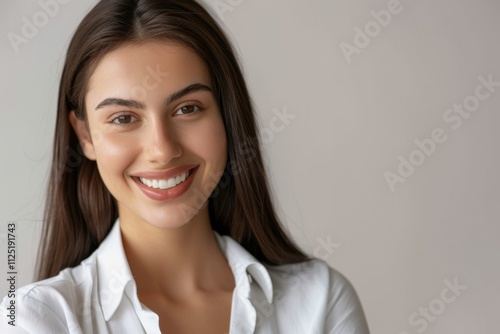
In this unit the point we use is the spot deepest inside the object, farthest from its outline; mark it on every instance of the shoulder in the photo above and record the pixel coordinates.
(69, 284)
(49, 305)
(315, 274)
(322, 291)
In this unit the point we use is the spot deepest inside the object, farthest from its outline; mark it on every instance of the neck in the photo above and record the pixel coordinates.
(176, 262)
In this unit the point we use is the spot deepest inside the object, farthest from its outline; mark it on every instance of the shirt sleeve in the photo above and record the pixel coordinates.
(8, 324)
(344, 311)
(30, 316)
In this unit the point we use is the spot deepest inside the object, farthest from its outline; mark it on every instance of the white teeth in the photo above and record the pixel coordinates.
(165, 184)
(171, 183)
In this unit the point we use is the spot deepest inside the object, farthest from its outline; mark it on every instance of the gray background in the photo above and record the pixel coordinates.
(352, 122)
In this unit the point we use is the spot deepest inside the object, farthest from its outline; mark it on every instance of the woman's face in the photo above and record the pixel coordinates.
(155, 131)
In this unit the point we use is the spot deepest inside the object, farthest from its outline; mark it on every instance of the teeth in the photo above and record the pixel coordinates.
(171, 183)
(165, 184)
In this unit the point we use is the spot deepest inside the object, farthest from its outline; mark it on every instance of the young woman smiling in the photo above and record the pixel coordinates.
(167, 223)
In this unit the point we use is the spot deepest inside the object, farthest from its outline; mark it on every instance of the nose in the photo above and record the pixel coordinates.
(162, 144)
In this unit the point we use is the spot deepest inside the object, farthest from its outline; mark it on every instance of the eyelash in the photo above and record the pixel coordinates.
(113, 121)
(197, 107)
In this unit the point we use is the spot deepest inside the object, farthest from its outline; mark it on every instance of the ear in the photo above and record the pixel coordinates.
(83, 134)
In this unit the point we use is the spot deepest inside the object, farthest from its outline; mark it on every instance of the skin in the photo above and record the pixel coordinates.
(180, 272)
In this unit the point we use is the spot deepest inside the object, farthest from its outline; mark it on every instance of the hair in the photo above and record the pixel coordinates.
(79, 209)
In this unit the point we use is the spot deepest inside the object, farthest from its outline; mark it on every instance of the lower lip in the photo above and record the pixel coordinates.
(170, 193)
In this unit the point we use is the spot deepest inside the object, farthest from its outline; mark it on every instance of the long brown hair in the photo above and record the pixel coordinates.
(80, 210)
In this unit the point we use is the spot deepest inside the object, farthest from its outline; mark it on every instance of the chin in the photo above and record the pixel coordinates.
(173, 220)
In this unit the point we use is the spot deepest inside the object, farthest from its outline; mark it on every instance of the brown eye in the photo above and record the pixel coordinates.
(189, 109)
(123, 119)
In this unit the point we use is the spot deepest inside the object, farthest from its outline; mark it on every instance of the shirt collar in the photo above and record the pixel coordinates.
(245, 267)
(113, 271)
(114, 275)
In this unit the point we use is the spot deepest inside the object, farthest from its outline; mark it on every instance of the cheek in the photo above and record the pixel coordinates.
(213, 143)
(211, 146)
(113, 154)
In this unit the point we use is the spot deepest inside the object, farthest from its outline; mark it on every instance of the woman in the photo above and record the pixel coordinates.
(159, 216)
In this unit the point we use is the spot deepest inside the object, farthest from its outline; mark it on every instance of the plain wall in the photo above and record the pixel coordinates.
(352, 120)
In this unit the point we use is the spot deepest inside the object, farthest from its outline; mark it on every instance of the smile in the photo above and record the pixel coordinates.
(165, 184)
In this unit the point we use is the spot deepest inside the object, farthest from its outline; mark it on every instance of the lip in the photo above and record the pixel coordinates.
(165, 175)
(166, 194)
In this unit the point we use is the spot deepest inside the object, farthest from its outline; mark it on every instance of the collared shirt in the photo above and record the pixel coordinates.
(100, 296)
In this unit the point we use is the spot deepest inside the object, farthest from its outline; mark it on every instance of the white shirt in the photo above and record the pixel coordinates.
(99, 296)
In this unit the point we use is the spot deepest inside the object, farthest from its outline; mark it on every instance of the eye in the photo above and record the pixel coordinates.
(189, 109)
(123, 119)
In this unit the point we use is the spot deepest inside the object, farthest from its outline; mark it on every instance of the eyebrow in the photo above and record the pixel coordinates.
(138, 105)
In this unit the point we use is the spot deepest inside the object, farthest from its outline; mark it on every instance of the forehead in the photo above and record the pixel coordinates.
(133, 66)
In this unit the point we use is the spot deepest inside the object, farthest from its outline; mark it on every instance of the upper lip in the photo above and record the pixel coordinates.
(165, 174)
